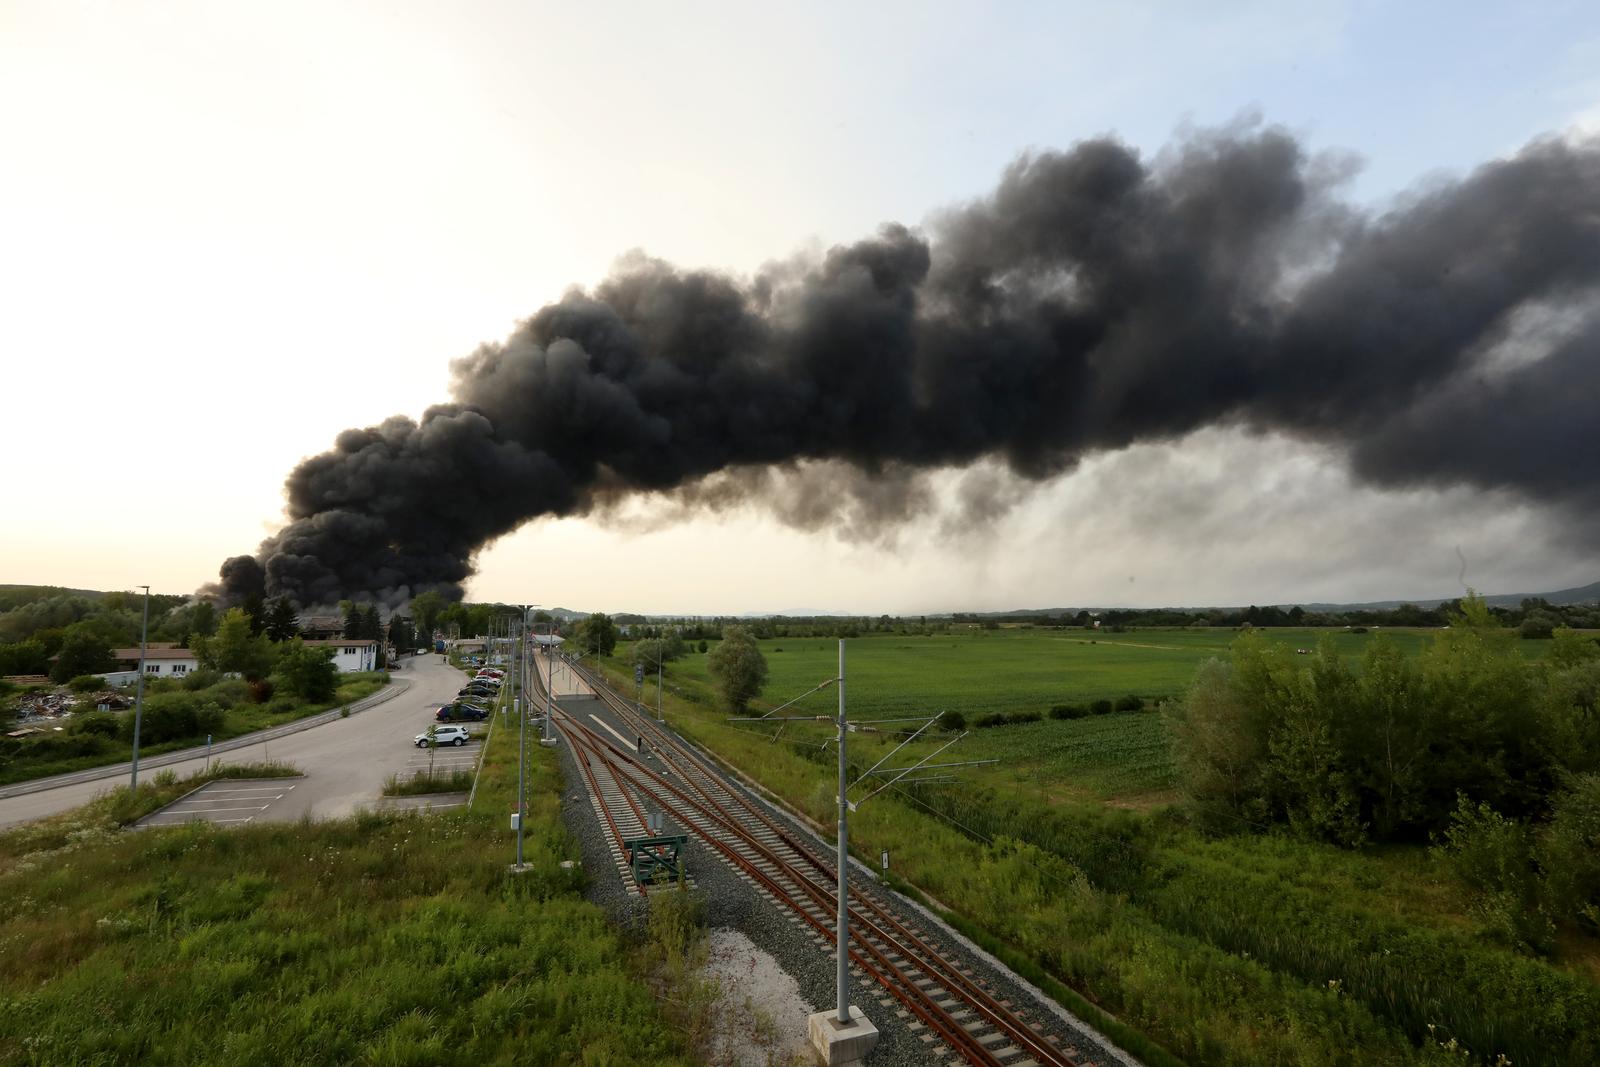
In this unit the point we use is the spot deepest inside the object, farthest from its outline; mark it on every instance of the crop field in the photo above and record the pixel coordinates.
(981, 671)
(1011, 671)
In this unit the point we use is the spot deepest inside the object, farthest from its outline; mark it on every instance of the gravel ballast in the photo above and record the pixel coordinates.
(733, 904)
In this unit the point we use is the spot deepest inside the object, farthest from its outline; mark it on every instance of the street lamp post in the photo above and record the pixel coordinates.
(138, 700)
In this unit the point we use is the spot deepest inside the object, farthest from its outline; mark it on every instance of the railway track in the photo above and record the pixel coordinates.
(949, 1007)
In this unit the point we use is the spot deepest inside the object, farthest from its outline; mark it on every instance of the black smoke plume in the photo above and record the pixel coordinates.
(1094, 300)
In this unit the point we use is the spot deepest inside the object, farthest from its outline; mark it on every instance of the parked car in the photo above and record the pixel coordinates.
(481, 691)
(461, 710)
(445, 735)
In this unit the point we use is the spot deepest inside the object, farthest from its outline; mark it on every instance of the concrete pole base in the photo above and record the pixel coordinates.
(548, 742)
(841, 1045)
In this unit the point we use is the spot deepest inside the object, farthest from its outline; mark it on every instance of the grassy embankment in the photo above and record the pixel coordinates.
(1252, 949)
(175, 718)
(383, 939)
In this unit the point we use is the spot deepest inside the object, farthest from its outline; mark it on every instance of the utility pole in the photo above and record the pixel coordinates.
(138, 700)
(660, 649)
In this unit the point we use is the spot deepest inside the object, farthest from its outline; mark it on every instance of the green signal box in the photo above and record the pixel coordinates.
(655, 859)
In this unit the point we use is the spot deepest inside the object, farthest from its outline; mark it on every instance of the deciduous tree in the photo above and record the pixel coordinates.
(739, 668)
(597, 633)
(309, 673)
(234, 649)
(425, 608)
(81, 653)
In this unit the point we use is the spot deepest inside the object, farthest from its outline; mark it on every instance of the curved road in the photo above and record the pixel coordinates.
(345, 760)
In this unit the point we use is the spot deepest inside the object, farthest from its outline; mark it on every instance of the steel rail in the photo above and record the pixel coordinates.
(927, 959)
(880, 967)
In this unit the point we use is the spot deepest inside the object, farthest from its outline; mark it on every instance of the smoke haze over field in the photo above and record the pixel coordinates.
(1095, 300)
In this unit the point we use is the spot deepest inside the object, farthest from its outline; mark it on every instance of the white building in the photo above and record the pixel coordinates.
(160, 661)
(351, 654)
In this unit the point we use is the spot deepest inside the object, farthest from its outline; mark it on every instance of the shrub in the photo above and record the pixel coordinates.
(1130, 703)
(86, 683)
(1101, 707)
(261, 690)
(994, 718)
(1569, 854)
(201, 679)
(1539, 626)
(229, 692)
(99, 723)
(61, 746)
(953, 720)
(1493, 857)
(174, 717)
(1068, 711)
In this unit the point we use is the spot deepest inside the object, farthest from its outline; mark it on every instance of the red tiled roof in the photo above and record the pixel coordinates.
(154, 652)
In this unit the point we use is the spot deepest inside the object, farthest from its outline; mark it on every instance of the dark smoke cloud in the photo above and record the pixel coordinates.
(1094, 300)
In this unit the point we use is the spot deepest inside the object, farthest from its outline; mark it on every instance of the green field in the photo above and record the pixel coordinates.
(1012, 670)
(977, 672)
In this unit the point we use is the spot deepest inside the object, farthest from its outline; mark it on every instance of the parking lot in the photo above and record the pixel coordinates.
(443, 760)
(229, 802)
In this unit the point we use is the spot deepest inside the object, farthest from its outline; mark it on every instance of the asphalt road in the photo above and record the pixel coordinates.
(344, 760)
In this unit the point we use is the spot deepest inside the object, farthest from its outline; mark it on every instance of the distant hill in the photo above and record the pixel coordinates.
(1583, 594)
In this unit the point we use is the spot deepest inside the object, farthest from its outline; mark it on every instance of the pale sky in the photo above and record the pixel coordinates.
(229, 231)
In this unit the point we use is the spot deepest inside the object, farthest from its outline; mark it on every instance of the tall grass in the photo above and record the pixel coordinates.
(426, 782)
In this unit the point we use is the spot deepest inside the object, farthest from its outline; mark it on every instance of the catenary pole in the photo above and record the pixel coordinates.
(521, 700)
(138, 700)
(549, 690)
(844, 860)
